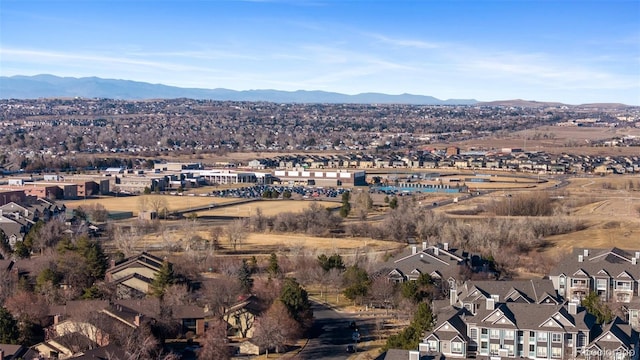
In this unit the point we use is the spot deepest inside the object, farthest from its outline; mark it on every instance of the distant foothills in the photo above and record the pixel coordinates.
(51, 86)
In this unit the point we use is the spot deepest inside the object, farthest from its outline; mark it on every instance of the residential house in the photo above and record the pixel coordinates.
(241, 317)
(534, 291)
(12, 352)
(614, 274)
(440, 262)
(133, 276)
(514, 330)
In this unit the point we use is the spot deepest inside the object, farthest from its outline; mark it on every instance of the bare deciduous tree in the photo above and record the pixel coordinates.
(363, 204)
(215, 343)
(237, 232)
(275, 328)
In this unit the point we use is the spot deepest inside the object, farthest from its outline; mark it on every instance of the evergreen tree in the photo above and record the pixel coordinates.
(244, 276)
(31, 238)
(393, 203)
(9, 333)
(296, 299)
(410, 337)
(597, 308)
(345, 209)
(332, 262)
(273, 269)
(5, 249)
(163, 279)
(357, 282)
(20, 250)
(94, 255)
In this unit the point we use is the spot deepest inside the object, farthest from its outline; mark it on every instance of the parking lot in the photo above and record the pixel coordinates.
(260, 191)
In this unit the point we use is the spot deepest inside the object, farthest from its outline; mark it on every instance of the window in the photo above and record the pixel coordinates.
(561, 280)
(555, 337)
(495, 334)
(579, 283)
(509, 348)
(456, 347)
(556, 352)
(484, 348)
(542, 351)
(508, 334)
(542, 336)
(569, 340)
(494, 349)
(581, 340)
(532, 335)
(601, 284)
(484, 333)
(473, 333)
(532, 350)
(433, 345)
(623, 285)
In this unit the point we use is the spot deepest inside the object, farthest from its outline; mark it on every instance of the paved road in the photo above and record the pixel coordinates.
(331, 334)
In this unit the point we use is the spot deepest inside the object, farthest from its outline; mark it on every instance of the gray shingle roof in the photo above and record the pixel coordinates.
(614, 261)
(532, 291)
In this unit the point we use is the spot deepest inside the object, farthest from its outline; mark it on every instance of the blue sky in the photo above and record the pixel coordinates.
(573, 51)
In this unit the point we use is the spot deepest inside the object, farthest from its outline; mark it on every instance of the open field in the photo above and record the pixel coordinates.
(259, 243)
(268, 207)
(132, 203)
(609, 205)
(571, 140)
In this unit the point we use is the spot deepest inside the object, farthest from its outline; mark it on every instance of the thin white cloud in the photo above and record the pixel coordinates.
(40, 56)
(409, 43)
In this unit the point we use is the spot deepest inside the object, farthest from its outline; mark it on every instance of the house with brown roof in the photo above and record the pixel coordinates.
(241, 317)
(134, 275)
(11, 352)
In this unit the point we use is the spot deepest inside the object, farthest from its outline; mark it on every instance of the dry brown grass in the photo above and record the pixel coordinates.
(580, 136)
(268, 207)
(132, 203)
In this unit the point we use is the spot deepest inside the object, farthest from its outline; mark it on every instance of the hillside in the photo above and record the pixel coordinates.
(49, 86)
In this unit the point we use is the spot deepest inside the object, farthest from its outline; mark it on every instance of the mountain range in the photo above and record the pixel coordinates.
(50, 86)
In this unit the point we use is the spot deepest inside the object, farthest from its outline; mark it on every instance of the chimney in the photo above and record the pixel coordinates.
(446, 246)
(137, 320)
(634, 261)
(424, 245)
(453, 296)
(579, 258)
(573, 308)
(491, 305)
(436, 251)
(637, 252)
(414, 355)
(586, 252)
(414, 250)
